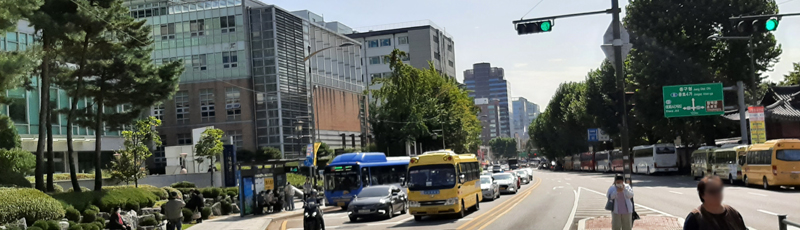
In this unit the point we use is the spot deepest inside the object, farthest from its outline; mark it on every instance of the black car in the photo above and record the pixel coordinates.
(382, 200)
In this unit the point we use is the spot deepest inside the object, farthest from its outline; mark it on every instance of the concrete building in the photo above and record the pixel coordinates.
(251, 56)
(23, 110)
(423, 41)
(524, 112)
(490, 118)
(486, 81)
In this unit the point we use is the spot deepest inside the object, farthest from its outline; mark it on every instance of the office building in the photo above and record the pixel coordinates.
(485, 81)
(490, 118)
(23, 109)
(524, 112)
(247, 74)
(423, 41)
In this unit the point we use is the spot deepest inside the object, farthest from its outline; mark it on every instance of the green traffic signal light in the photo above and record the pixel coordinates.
(545, 26)
(771, 24)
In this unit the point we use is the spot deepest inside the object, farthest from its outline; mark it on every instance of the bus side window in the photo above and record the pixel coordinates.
(365, 177)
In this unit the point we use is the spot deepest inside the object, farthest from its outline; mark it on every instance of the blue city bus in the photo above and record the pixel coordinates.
(348, 173)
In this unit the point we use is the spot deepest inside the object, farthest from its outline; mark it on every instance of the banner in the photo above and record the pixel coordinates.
(311, 154)
(758, 128)
(269, 183)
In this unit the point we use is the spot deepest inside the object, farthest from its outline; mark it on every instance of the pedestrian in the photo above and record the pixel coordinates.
(268, 197)
(172, 211)
(116, 222)
(289, 197)
(307, 191)
(712, 214)
(620, 204)
(197, 203)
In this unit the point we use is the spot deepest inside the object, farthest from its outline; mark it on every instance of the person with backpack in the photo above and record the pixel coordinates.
(619, 197)
(712, 214)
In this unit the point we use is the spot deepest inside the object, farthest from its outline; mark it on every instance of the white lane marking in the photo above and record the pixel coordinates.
(757, 194)
(569, 184)
(574, 209)
(554, 188)
(676, 192)
(767, 212)
(465, 219)
(598, 193)
(648, 187)
(406, 219)
(654, 210)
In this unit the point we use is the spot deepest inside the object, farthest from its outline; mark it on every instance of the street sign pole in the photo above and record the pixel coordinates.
(615, 23)
(742, 118)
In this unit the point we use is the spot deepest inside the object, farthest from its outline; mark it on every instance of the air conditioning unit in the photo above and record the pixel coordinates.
(233, 106)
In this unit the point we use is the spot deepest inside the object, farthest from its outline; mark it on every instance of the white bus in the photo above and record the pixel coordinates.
(650, 159)
(603, 164)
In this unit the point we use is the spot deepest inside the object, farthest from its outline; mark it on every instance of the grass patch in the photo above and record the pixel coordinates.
(185, 226)
(65, 176)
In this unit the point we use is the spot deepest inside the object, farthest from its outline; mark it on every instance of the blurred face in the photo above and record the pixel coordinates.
(619, 184)
(713, 192)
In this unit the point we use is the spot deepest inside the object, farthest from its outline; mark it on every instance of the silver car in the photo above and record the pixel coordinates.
(523, 176)
(508, 182)
(489, 188)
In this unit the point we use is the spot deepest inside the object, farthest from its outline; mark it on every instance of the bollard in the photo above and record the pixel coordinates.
(781, 225)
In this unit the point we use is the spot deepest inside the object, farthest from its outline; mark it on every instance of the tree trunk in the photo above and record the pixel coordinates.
(43, 108)
(51, 164)
(211, 169)
(98, 133)
(73, 172)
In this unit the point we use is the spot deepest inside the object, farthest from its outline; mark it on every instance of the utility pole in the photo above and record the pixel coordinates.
(626, 156)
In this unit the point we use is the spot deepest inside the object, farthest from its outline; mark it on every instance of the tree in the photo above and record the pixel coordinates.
(9, 138)
(114, 70)
(414, 102)
(210, 147)
(793, 78)
(129, 166)
(269, 153)
(561, 129)
(504, 146)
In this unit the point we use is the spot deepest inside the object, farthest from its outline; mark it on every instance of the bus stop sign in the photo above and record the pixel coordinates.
(693, 100)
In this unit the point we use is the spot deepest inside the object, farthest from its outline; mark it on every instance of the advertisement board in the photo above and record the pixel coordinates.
(758, 129)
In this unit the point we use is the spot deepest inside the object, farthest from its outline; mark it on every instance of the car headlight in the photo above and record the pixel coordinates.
(451, 201)
(412, 203)
(383, 201)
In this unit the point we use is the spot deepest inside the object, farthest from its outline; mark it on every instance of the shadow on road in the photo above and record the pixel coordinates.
(431, 221)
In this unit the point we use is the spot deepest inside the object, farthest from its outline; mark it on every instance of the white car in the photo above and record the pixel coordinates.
(509, 183)
(489, 188)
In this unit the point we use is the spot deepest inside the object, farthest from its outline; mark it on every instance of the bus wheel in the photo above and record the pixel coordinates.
(648, 170)
(766, 184)
(477, 204)
(461, 214)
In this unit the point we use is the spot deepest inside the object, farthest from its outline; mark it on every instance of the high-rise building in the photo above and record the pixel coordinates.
(524, 112)
(423, 41)
(485, 81)
(253, 58)
(489, 117)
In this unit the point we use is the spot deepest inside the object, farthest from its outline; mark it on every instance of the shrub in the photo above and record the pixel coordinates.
(183, 184)
(159, 203)
(90, 226)
(158, 192)
(232, 195)
(17, 160)
(89, 216)
(75, 227)
(79, 201)
(130, 205)
(120, 197)
(148, 221)
(159, 217)
(57, 188)
(47, 224)
(205, 213)
(101, 223)
(225, 208)
(234, 190)
(187, 215)
(93, 208)
(83, 189)
(13, 179)
(211, 192)
(28, 203)
(171, 189)
(35, 228)
(73, 214)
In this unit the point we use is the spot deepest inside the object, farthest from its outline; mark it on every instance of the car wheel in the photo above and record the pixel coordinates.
(353, 219)
(461, 214)
(498, 194)
(730, 179)
(417, 218)
(477, 203)
(766, 184)
(390, 212)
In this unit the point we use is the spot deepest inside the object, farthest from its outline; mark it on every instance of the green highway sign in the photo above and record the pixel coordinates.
(693, 100)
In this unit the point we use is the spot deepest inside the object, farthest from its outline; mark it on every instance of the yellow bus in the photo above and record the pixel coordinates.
(774, 163)
(443, 182)
(701, 161)
(727, 162)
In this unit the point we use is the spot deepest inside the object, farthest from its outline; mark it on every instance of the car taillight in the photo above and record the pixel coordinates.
(775, 170)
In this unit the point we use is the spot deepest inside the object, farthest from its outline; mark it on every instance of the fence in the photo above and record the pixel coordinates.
(783, 223)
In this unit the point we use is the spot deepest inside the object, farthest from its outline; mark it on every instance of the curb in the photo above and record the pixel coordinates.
(582, 222)
(325, 209)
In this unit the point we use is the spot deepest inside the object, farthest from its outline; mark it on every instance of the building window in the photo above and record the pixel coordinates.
(437, 56)
(386, 75)
(373, 43)
(375, 75)
(17, 109)
(197, 27)
(407, 57)
(229, 59)
(207, 105)
(375, 60)
(182, 107)
(199, 62)
(168, 31)
(450, 63)
(386, 42)
(228, 24)
(450, 47)
(402, 40)
(232, 104)
(184, 139)
(158, 111)
(236, 137)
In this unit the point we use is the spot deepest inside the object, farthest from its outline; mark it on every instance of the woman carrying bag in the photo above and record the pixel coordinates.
(620, 204)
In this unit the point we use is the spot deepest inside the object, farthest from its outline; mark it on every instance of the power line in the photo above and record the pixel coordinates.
(534, 7)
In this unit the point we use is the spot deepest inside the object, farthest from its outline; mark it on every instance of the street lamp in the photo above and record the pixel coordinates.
(346, 44)
(315, 129)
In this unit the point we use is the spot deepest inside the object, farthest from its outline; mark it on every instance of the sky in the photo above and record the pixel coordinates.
(534, 64)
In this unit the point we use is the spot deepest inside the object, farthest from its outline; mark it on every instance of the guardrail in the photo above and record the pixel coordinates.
(783, 223)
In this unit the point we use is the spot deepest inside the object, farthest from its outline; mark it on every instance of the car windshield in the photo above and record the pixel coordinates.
(486, 180)
(431, 177)
(374, 192)
(788, 155)
(504, 176)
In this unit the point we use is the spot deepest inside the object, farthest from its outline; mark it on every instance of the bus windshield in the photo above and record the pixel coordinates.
(431, 177)
(788, 155)
(665, 150)
(342, 182)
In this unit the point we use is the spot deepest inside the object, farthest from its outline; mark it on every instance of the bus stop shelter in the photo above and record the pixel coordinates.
(257, 176)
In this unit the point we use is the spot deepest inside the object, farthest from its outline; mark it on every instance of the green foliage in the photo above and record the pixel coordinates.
(160, 193)
(83, 189)
(225, 208)
(17, 160)
(210, 144)
(57, 188)
(93, 208)
(504, 146)
(171, 189)
(132, 206)
(324, 150)
(28, 203)
(183, 184)
(793, 77)
(14, 179)
(47, 224)
(75, 227)
(414, 102)
(73, 214)
(89, 216)
(268, 153)
(109, 197)
(9, 138)
(205, 213)
(212, 192)
(187, 215)
(148, 221)
(101, 223)
(129, 166)
(561, 129)
(34, 228)
(90, 226)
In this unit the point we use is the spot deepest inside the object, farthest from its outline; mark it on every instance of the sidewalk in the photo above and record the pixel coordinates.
(249, 222)
(591, 214)
(653, 222)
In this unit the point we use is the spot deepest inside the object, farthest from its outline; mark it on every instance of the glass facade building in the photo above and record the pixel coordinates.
(485, 81)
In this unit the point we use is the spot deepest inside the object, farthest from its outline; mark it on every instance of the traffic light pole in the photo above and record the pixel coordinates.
(626, 156)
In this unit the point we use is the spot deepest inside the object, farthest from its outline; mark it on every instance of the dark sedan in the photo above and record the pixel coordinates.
(383, 200)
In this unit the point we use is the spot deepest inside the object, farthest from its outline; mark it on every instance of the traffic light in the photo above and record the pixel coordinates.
(535, 27)
(755, 25)
(292, 169)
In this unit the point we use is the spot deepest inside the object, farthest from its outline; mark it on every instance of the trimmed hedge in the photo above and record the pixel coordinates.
(148, 221)
(73, 214)
(35, 228)
(14, 180)
(225, 208)
(57, 188)
(211, 192)
(121, 196)
(28, 203)
(171, 189)
(89, 216)
(47, 224)
(230, 190)
(83, 189)
(183, 184)
(187, 215)
(205, 213)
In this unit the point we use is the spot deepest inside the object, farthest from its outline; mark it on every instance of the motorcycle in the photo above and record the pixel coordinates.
(312, 216)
